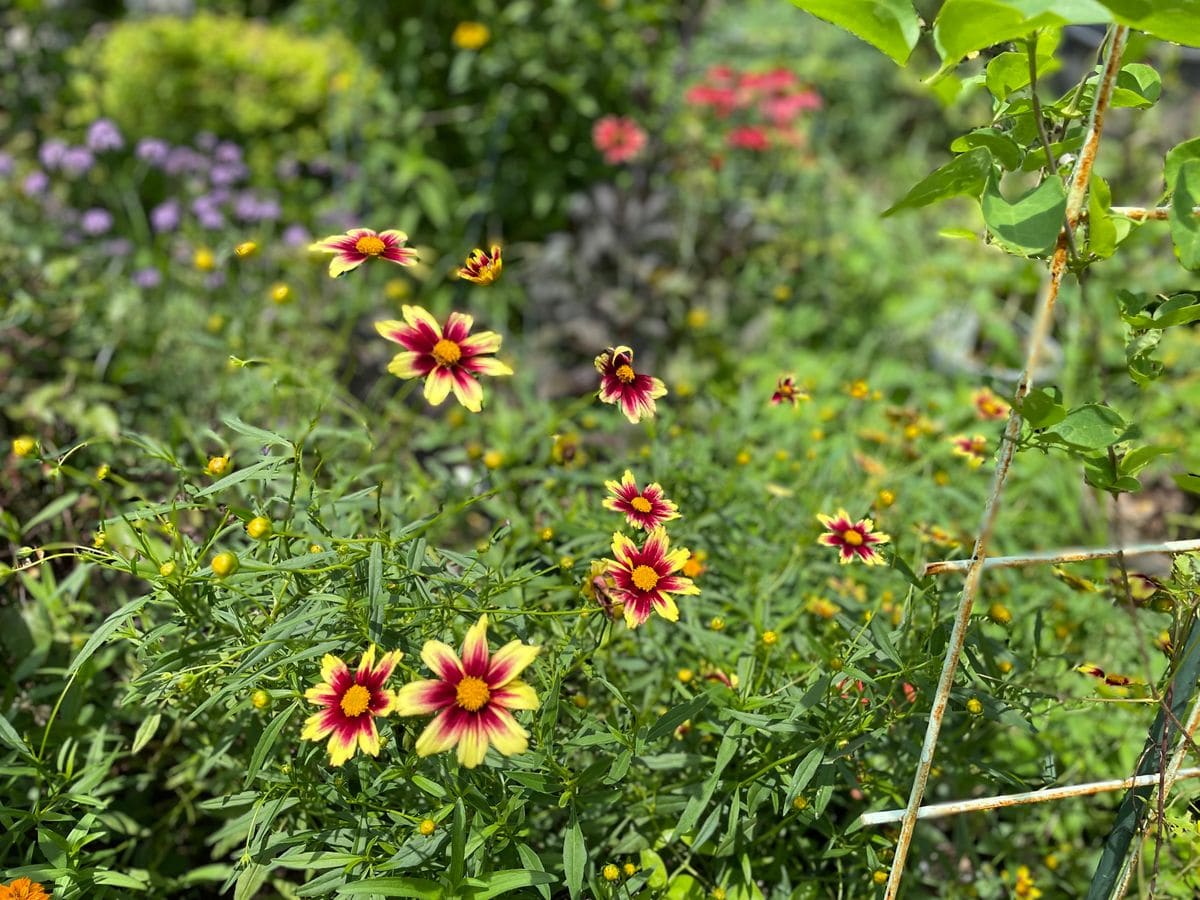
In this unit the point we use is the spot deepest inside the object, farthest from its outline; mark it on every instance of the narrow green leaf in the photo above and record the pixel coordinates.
(394, 886)
(574, 857)
(12, 740)
(102, 634)
(676, 716)
(145, 732)
(505, 880)
(269, 736)
(532, 861)
(1028, 226)
(964, 175)
(1185, 225)
(52, 509)
(888, 25)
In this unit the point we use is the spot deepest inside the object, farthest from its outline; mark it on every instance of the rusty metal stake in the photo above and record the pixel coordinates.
(1081, 554)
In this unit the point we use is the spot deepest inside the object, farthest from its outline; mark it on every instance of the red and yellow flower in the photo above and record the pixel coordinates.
(23, 889)
(472, 696)
(644, 578)
(621, 384)
(988, 406)
(854, 540)
(351, 701)
(357, 245)
(482, 267)
(787, 392)
(645, 509)
(974, 448)
(448, 358)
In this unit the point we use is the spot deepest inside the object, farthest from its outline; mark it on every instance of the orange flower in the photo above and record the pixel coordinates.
(23, 889)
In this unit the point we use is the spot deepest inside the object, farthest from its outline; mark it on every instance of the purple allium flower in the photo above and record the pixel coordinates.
(225, 174)
(118, 247)
(50, 154)
(147, 278)
(269, 210)
(165, 216)
(227, 152)
(6, 164)
(153, 151)
(210, 219)
(184, 159)
(35, 182)
(206, 140)
(96, 221)
(296, 236)
(77, 160)
(103, 135)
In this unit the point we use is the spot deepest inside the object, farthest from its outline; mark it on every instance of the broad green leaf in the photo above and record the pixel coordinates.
(532, 861)
(1003, 148)
(1188, 481)
(654, 867)
(1029, 226)
(1140, 457)
(1102, 233)
(1138, 87)
(1176, 157)
(964, 26)
(1008, 72)
(888, 25)
(1090, 427)
(964, 175)
(1177, 21)
(1179, 309)
(394, 886)
(10, 738)
(574, 857)
(1185, 225)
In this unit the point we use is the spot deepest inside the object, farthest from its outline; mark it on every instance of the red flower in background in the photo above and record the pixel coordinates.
(618, 138)
(723, 100)
(782, 111)
(749, 137)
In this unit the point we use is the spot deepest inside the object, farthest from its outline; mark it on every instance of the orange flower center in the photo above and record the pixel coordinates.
(645, 578)
(446, 352)
(641, 504)
(472, 693)
(356, 700)
(852, 537)
(370, 245)
(625, 374)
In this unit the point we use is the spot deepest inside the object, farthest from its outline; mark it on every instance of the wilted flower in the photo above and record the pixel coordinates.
(351, 701)
(358, 245)
(470, 35)
(644, 577)
(620, 384)
(482, 267)
(599, 586)
(448, 359)
(787, 392)
(104, 135)
(974, 449)
(472, 696)
(988, 406)
(854, 540)
(645, 509)
(618, 138)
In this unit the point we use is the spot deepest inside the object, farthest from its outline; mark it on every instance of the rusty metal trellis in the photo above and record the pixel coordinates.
(973, 568)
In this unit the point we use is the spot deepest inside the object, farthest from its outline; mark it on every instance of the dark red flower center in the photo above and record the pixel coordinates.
(644, 578)
(446, 352)
(356, 700)
(472, 693)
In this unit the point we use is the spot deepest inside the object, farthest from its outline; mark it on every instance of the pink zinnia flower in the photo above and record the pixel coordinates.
(351, 701)
(749, 137)
(645, 509)
(854, 540)
(620, 384)
(447, 358)
(620, 139)
(472, 697)
(645, 577)
(358, 245)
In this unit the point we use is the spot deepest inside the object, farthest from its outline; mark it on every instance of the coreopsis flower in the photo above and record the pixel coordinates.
(988, 406)
(357, 245)
(482, 267)
(644, 577)
(635, 392)
(787, 392)
(1025, 888)
(973, 449)
(448, 358)
(618, 138)
(23, 889)
(351, 701)
(854, 540)
(598, 587)
(472, 696)
(647, 508)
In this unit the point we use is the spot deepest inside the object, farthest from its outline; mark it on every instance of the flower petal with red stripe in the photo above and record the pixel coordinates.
(351, 702)
(644, 578)
(646, 509)
(634, 392)
(854, 540)
(356, 246)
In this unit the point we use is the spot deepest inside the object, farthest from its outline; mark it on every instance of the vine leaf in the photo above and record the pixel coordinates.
(1028, 226)
(1170, 20)
(964, 175)
(964, 26)
(888, 25)
(1185, 227)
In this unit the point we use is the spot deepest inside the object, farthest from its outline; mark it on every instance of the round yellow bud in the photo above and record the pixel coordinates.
(580, 701)
(246, 248)
(836, 664)
(281, 293)
(879, 876)
(886, 497)
(717, 623)
(817, 434)
(1004, 666)
(974, 707)
(769, 638)
(685, 675)
(259, 527)
(204, 260)
(102, 471)
(397, 289)
(717, 893)
(217, 465)
(698, 318)
(1051, 861)
(23, 445)
(315, 548)
(99, 539)
(566, 562)
(800, 803)
(493, 459)
(260, 699)
(629, 869)
(427, 827)
(610, 872)
(167, 569)
(743, 458)
(941, 478)
(546, 534)
(999, 613)
(781, 455)
(782, 292)
(470, 35)
(225, 564)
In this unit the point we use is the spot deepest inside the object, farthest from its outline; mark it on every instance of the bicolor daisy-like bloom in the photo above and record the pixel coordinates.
(988, 406)
(448, 358)
(472, 696)
(481, 266)
(645, 509)
(854, 540)
(787, 392)
(23, 889)
(352, 700)
(620, 384)
(645, 577)
(357, 245)
(974, 449)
